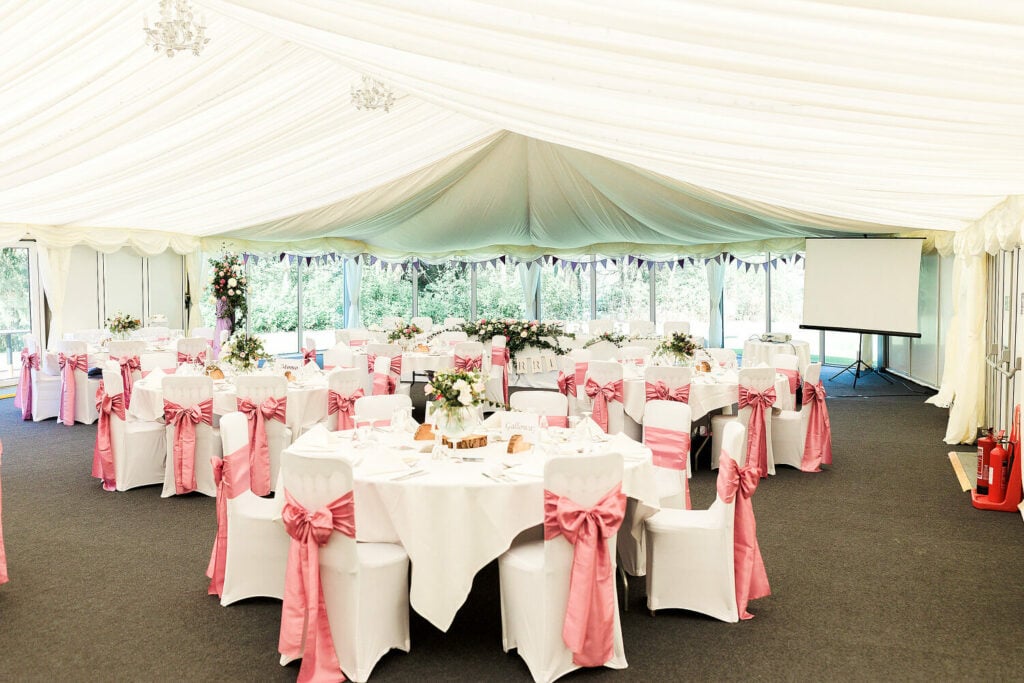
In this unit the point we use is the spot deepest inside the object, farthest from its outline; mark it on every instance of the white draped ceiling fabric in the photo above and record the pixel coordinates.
(523, 127)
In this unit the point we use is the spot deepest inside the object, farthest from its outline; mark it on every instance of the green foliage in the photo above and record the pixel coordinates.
(15, 312)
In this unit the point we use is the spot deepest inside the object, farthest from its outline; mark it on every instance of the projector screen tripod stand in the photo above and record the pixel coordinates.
(859, 367)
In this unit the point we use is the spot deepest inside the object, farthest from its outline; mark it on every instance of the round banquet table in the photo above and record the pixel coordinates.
(708, 391)
(451, 519)
(307, 400)
(756, 352)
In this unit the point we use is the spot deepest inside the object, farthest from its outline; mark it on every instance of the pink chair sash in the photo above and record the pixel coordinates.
(659, 391)
(581, 373)
(185, 421)
(272, 408)
(588, 629)
(103, 452)
(557, 420)
(396, 364)
(129, 365)
(601, 395)
(344, 406)
(231, 475)
(358, 342)
(68, 366)
(670, 449)
(793, 376)
(751, 577)
(3, 553)
(567, 384)
(818, 442)
(499, 357)
(185, 358)
(468, 362)
(383, 384)
(303, 610)
(309, 356)
(23, 395)
(757, 437)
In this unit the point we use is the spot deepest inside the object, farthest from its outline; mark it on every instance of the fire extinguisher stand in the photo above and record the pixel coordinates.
(999, 497)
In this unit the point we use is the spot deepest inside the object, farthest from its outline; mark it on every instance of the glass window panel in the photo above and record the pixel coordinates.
(841, 347)
(323, 301)
(444, 291)
(787, 280)
(384, 292)
(564, 294)
(274, 303)
(623, 291)
(681, 295)
(15, 308)
(743, 300)
(499, 292)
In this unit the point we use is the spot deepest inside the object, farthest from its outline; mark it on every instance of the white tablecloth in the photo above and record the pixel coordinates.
(307, 400)
(758, 352)
(453, 520)
(708, 391)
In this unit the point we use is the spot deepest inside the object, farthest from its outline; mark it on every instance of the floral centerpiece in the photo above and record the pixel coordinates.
(456, 395)
(678, 345)
(613, 337)
(519, 333)
(228, 287)
(404, 333)
(243, 351)
(122, 323)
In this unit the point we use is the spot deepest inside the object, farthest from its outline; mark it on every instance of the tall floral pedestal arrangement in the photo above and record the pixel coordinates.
(228, 284)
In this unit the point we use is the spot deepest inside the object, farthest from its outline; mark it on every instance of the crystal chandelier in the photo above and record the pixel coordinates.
(177, 29)
(373, 94)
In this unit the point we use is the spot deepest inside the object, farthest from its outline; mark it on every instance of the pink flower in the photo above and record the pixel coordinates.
(223, 298)
(223, 281)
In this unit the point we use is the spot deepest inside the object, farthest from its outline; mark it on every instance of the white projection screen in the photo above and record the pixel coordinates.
(862, 285)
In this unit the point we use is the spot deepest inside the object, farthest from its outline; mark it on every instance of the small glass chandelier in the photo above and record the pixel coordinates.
(373, 94)
(177, 29)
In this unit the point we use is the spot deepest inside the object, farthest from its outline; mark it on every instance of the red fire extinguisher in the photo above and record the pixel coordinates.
(986, 443)
(997, 461)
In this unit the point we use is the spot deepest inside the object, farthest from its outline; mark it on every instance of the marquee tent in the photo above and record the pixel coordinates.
(522, 126)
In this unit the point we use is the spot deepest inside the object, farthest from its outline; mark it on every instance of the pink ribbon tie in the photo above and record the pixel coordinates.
(818, 442)
(188, 359)
(303, 610)
(567, 384)
(499, 358)
(589, 626)
(129, 366)
(659, 391)
(272, 408)
(231, 474)
(309, 356)
(23, 394)
(751, 577)
(468, 362)
(185, 421)
(103, 452)
(68, 366)
(757, 437)
(601, 395)
(344, 406)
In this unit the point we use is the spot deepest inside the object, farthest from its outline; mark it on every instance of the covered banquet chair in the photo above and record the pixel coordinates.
(128, 355)
(756, 398)
(250, 550)
(558, 614)
(603, 387)
(38, 392)
(803, 438)
(263, 399)
(424, 322)
(344, 388)
(380, 409)
(787, 364)
(77, 389)
(192, 351)
(673, 326)
(191, 438)
(553, 406)
(601, 326)
(127, 453)
(359, 591)
(708, 561)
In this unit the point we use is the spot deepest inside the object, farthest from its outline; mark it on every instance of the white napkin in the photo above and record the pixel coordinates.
(154, 378)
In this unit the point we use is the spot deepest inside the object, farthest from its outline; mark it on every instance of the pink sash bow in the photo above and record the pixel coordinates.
(601, 395)
(659, 391)
(499, 358)
(581, 373)
(589, 624)
(670, 449)
(793, 376)
(344, 406)
(309, 356)
(751, 577)
(818, 442)
(185, 421)
(185, 358)
(102, 452)
(303, 610)
(468, 362)
(567, 384)
(383, 384)
(557, 420)
(129, 364)
(68, 366)
(272, 408)
(23, 395)
(757, 437)
(231, 474)
(396, 364)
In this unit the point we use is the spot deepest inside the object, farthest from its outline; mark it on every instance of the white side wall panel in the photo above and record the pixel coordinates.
(81, 302)
(924, 358)
(166, 288)
(123, 279)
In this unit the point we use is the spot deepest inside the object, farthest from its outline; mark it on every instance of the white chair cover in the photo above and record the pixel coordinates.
(390, 322)
(673, 326)
(339, 356)
(454, 322)
(690, 561)
(471, 350)
(603, 350)
(258, 388)
(497, 375)
(381, 407)
(192, 347)
(257, 549)
(641, 327)
(789, 428)
(348, 336)
(365, 585)
(138, 448)
(45, 382)
(551, 404)
(203, 333)
(423, 322)
(188, 391)
(787, 363)
(605, 372)
(85, 387)
(345, 382)
(596, 327)
(534, 575)
(725, 358)
(567, 371)
(755, 379)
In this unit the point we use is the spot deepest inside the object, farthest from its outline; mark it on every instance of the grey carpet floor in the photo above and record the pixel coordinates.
(880, 569)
